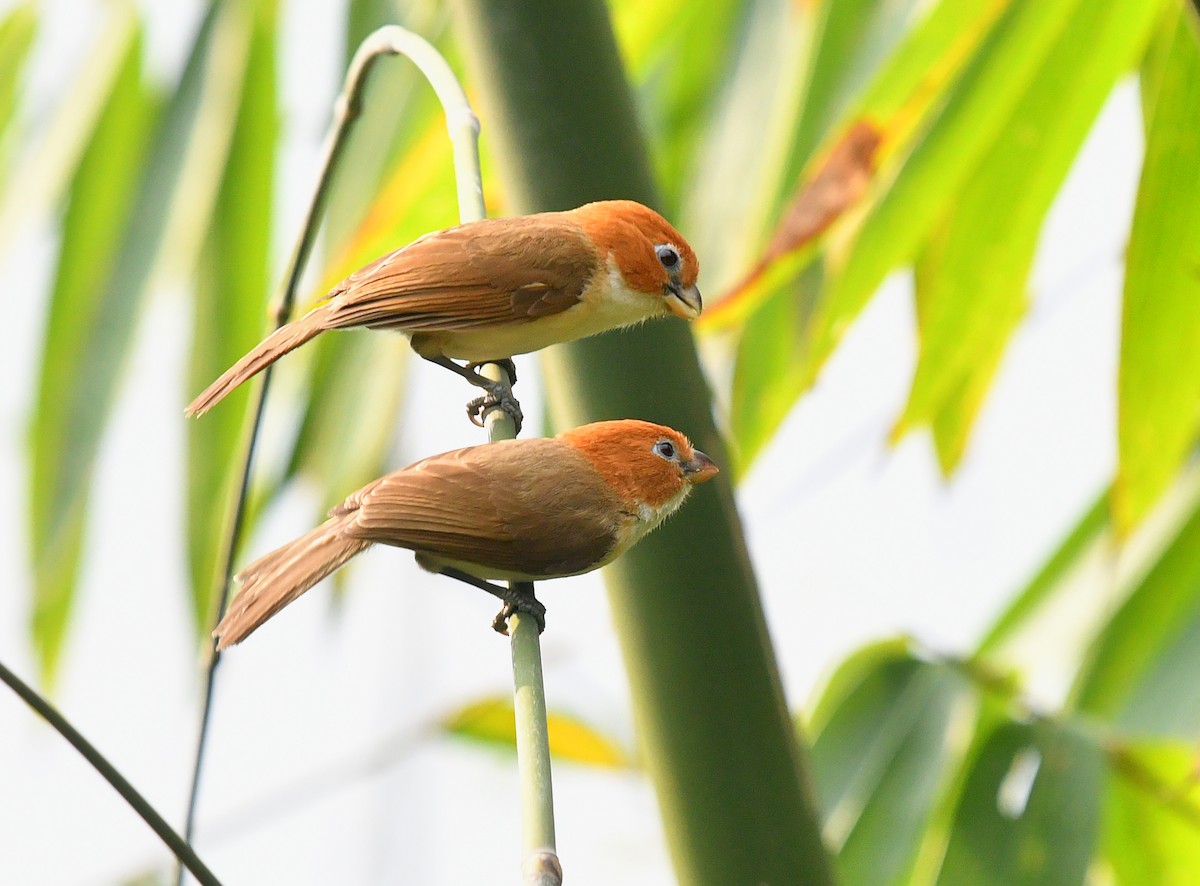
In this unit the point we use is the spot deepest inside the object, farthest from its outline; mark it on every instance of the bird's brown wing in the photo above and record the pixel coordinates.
(488, 273)
(537, 509)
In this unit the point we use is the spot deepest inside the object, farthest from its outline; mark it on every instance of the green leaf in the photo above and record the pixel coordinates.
(45, 170)
(879, 761)
(112, 235)
(1152, 815)
(233, 283)
(1141, 675)
(16, 38)
(853, 40)
(78, 351)
(971, 277)
(355, 394)
(1158, 413)
(492, 721)
(357, 379)
(907, 91)
(1083, 539)
(765, 373)
(681, 55)
(1007, 835)
(978, 108)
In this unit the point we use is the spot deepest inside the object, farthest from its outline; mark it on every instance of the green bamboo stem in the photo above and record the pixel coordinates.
(541, 866)
(177, 844)
(718, 741)
(463, 127)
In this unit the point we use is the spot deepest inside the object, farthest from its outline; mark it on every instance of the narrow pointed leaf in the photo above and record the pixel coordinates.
(906, 93)
(971, 278)
(980, 105)
(1158, 413)
(1142, 672)
(72, 393)
(113, 232)
(1082, 539)
(233, 283)
(16, 38)
(681, 58)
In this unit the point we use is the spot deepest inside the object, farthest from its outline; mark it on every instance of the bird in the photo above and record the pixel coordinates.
(486, 290)
(518, 510)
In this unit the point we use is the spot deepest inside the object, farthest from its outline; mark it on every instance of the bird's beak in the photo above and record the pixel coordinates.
(700, 469)
(685, 303)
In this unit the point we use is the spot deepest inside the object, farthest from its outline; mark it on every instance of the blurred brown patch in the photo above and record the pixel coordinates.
(839, 182)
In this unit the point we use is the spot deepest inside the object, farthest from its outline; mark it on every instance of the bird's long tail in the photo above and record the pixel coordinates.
(276, 579)
(284, 339)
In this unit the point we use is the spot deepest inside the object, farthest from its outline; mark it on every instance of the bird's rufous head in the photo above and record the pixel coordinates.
(651, 255)
(647, 465)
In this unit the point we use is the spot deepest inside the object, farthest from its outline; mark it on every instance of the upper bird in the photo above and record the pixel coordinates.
(484, 291)
(519, 510)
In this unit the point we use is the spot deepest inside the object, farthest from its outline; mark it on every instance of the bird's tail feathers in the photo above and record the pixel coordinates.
(281, 341)
(276, 579)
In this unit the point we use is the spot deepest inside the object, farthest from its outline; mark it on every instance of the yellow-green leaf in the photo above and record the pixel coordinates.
(233, 284)
(492, 721)
(1158, 411)
(83, 343)
(1152, 814)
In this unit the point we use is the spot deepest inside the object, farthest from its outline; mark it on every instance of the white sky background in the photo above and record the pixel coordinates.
(852, 540)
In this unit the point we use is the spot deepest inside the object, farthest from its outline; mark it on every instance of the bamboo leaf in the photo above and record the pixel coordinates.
(979, 106)
(1141, 675)
(356, 384)
(1009, 832)
(233, 283)
(970, 279)
(907, 91)
(1082, 539)
(16, 37)
(853, 41)
(681, 56)
(1152, 814)
(396, 184)
(492, 721)
(879, 759)
(112, 233)
(1158, 413)
(69, 412)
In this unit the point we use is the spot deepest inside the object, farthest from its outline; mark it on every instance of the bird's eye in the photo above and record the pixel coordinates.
(667, 255)
(665, 448)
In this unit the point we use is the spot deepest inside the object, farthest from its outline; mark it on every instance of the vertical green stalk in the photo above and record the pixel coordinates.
(540, 865)
(732, 780)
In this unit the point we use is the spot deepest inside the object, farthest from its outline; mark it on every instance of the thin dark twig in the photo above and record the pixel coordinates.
(177, 844)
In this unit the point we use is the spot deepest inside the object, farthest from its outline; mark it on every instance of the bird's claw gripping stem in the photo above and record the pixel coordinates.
(520, 602)
(498, 396)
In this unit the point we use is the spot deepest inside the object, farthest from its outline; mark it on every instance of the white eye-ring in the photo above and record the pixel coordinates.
(666, 449)
(668, 256)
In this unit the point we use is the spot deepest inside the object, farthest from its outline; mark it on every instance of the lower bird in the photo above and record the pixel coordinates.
(515, 510)
(487, 290)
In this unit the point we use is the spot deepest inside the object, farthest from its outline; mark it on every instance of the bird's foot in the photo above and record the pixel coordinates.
(507, 364)
(498, 396)
(519, 602)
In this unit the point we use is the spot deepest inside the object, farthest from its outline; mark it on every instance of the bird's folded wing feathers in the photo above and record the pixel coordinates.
(490, 506)
(465, 278)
